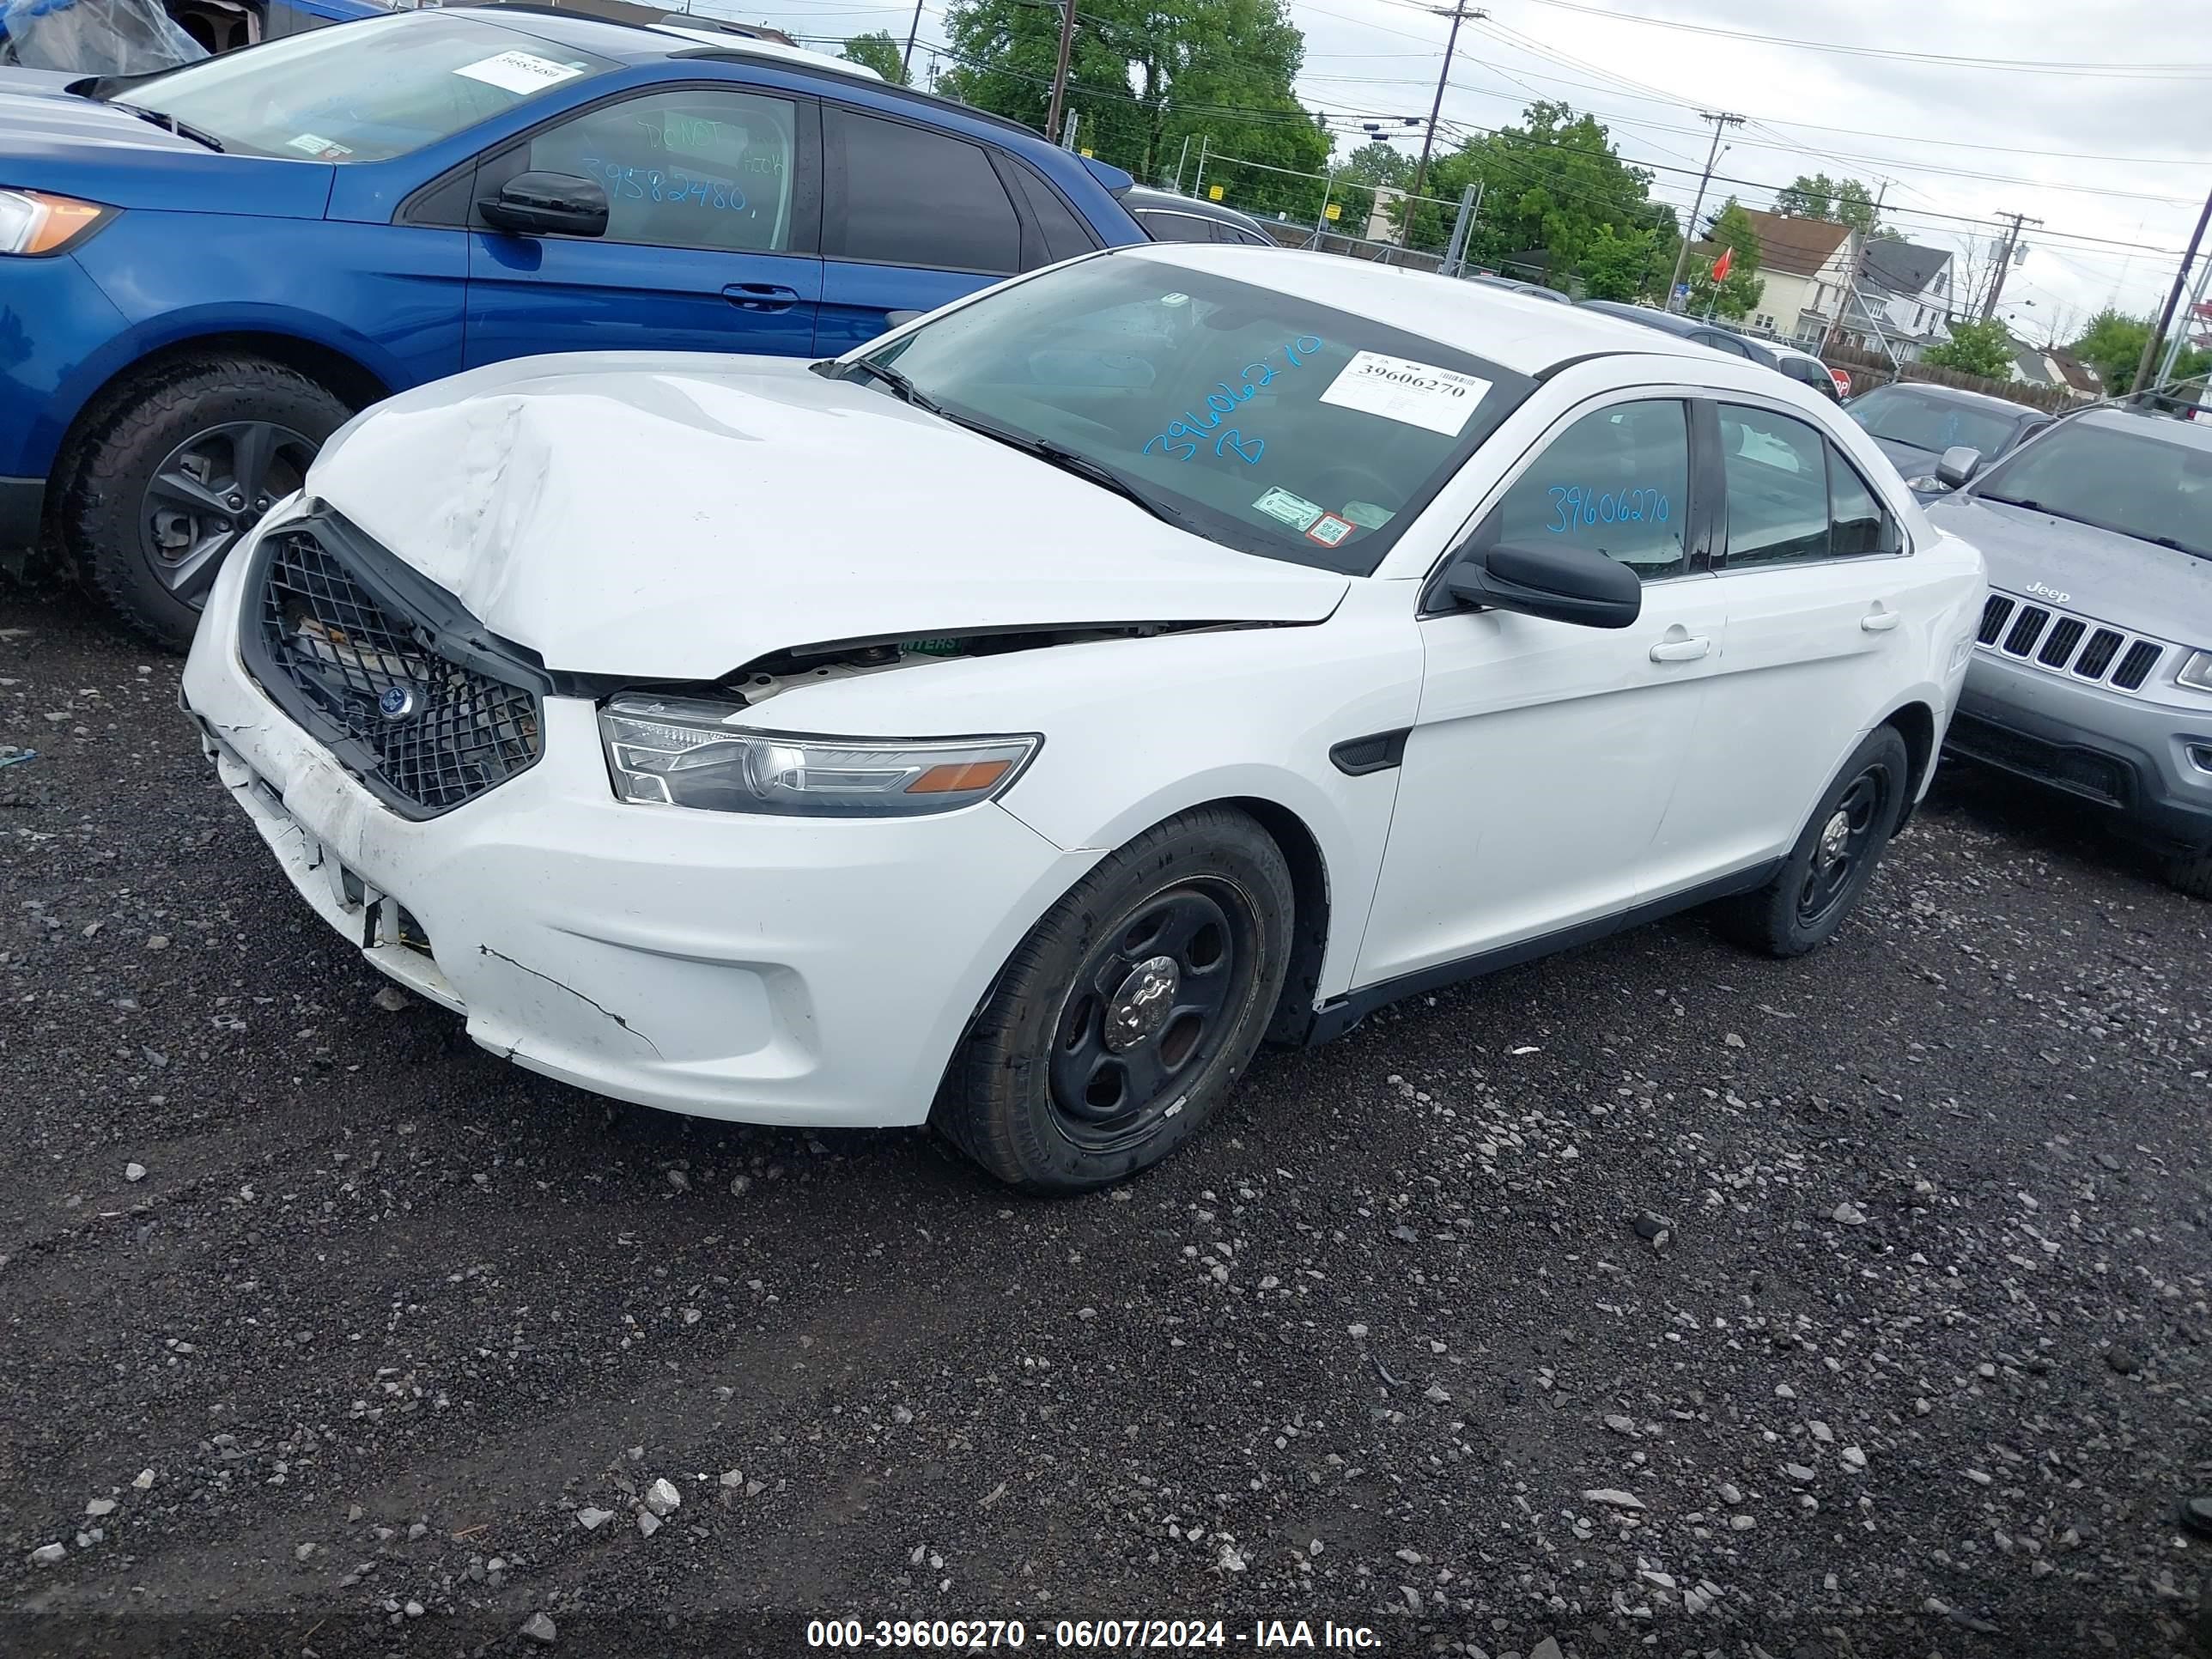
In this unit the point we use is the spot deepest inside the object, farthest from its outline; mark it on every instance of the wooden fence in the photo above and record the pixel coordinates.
(1868, 369)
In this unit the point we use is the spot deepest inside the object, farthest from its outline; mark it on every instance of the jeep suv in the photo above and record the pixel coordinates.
(2092, 673)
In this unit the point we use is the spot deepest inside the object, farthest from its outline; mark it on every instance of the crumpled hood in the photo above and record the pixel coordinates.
(2106, 576)
(52, 139)
(679, 515)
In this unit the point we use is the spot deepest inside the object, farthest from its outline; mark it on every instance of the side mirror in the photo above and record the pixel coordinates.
(548, 205)
(1561, 584)
(1959, 463)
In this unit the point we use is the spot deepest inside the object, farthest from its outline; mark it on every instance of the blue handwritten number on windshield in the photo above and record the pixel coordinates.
(1574, 504)
(1182, 437)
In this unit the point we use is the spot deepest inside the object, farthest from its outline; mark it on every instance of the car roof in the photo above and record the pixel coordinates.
(770, 49)
(1958, 394)
(2160, 428)
(1514, 331)
(1143, 198)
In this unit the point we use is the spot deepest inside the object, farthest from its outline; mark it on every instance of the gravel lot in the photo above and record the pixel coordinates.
(1653, 1299)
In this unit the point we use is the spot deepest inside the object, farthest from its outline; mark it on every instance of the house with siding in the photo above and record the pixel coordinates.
(1903, 296)
(1807, 264)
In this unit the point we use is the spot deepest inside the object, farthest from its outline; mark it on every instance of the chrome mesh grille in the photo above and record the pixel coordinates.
(2077, 646)
(435, 733)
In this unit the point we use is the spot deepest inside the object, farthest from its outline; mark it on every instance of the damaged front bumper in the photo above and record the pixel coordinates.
(775, 970)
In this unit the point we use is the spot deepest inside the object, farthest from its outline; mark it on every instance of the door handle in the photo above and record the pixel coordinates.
(1682, 650)
(761, 296)
(1880, 619)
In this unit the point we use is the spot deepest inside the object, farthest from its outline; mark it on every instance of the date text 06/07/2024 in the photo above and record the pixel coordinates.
(1109, 1635)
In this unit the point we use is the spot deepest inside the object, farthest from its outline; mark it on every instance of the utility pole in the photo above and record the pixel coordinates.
(1180, 160)
(1722, 121)
(2174, 297)
(906, 59)
(1198, 179)
(1059, 69)
(2004, 262)
(2177, 337)
(1459, 14)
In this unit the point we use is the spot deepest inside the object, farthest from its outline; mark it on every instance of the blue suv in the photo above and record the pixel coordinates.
(203, 273)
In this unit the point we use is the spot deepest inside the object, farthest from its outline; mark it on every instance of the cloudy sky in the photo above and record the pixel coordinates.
(2110, 146)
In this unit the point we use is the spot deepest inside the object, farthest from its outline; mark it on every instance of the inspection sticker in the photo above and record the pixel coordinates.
(1399, 389)
(317, 146)
(1294, 510)
(523, 72)
(1329, 530)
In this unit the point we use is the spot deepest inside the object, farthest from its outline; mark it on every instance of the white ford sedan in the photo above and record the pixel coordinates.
(1015, 722)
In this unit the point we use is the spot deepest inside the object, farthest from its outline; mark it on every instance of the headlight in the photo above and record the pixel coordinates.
(684, 752)
(32, 221)
(2196, 672)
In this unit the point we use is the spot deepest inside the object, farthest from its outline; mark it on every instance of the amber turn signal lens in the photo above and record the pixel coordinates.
(33, 221)
(958, 779)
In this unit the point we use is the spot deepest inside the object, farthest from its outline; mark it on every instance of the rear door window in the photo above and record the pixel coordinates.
(902, 195)
(1791, 497)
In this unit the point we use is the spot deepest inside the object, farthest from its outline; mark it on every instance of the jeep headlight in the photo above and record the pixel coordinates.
(684, 751)
(2196, 672)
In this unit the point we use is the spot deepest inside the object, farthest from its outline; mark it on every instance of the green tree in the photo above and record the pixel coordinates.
(1373, 163)
(1844, 201)
(1734, 295)
(1548, 186)
(879, 52)
(1808, 196)
(1984, 348)
(2112, 345)
(1145, 77)
(1617, 264)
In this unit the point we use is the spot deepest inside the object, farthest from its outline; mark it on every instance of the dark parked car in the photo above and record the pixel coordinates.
(1805, 369)
(1533, 291)
(1915, 424)
(1168, 218)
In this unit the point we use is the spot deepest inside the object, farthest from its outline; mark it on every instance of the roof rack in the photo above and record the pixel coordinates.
(740, 48)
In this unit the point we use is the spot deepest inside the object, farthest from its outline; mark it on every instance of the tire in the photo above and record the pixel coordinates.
(2191, 873)
(1802, 908)
(189, 422)
(1088, 1062)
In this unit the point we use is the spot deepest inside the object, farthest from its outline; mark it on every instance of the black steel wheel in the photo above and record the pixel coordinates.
(1804, 904)
(1128, 1011)
(1148, 1011)
(1848, 838)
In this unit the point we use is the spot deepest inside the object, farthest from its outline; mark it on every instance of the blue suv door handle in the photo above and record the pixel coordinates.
(761, 296)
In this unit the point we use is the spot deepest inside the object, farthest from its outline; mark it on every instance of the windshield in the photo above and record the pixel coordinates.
(2137, 483)
(360, 92)
(1254, 418)
(1934, 424)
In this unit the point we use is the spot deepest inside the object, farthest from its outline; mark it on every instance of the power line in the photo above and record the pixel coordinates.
(1721, 122)
(2153, 72)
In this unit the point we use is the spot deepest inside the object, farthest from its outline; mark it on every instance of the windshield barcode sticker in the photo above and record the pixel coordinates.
(523, 72)
(1399, 389)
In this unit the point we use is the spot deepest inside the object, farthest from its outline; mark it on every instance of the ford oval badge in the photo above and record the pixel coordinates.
(397, 703)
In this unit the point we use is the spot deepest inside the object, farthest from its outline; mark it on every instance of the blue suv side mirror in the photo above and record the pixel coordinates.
(548, 205)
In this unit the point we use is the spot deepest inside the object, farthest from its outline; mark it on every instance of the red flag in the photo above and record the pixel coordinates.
(1720, 265)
